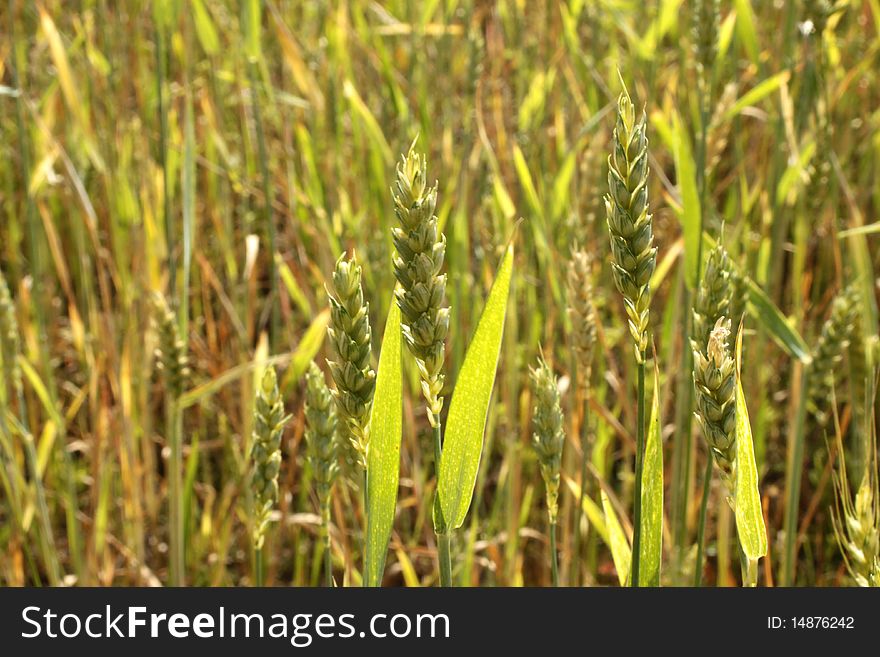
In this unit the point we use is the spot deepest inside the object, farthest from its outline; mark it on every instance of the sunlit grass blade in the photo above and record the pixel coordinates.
(466, 421)
(383, 457)
(621, 552)
(773, 321)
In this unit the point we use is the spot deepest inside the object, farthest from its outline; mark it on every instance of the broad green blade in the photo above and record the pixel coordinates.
(749, 514)
(745, 28)
(469, 408)
(773, 321)
(205, 30)
(758, 93)
(383, 456)
(651, 545)
(621, 552)
(686, 171)
(527, 183)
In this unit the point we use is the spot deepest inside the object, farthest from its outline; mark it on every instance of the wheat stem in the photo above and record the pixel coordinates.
(259, 575)
(701, 528)
(640, 457)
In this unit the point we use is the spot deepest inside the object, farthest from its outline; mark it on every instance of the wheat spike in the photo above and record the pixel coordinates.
(420, 249)
(634, 255)
(350, 336)
(548, 437)
(715, 385)
(265, 456)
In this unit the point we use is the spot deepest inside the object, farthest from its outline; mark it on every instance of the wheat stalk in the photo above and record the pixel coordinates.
(172, 360)
(633, 258)
(420, 248)
(582, 315)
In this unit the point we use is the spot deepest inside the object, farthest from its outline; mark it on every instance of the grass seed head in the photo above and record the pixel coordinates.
(706, 19)
(171, 356)
(713, 296)
(582, 313)
(715, 385)
(420, 250)
(634, 255)
(718, 132)
(269, 421)
(830, 347)
(350, 336)
(548, 437)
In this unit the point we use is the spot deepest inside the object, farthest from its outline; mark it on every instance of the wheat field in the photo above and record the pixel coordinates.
(247, 339)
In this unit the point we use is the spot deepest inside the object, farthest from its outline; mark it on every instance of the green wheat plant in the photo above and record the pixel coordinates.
(172, 361)
(418, 259)
(419, 252)
(582, 315)
(634, 257)
(817, 383)
(724, 420)
(227, 154)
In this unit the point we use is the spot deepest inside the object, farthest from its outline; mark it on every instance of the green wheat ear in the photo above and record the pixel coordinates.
(321, 436)
(713, 297)
(582, 313)
(715, 385)
(706, 21)
(634, 255)
(548, 437)
(171, 356)
(269, 421)
(834, 340)
(420, 249)
(350, 336)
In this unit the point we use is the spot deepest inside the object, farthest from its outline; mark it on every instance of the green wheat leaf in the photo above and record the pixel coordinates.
(686, 169)
(651, 545)
(621, 552)
(470, 404)
(205, 30)
(383, 457)
(772, 320)
(749, 516)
